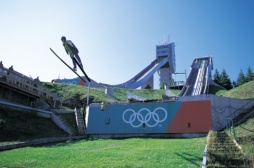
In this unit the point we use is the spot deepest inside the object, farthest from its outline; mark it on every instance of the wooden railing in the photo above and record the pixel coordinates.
(28, 85)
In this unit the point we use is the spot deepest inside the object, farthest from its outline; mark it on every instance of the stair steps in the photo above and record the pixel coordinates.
(223, 152)
(80, 122)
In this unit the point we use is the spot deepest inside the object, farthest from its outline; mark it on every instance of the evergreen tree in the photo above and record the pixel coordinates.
(250, 75)
(234, 84)
(241, 78)
(216, 76)
(224, 80)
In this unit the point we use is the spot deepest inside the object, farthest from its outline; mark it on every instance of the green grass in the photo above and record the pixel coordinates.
(245, 137)
(245, 91)
(133, 152)
(221, 92)
(78, 93)
(246, 129)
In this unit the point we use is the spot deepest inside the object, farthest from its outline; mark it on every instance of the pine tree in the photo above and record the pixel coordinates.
(241, 78)
(224, 80)
(216, 76)
(250, 75)
(234, 84)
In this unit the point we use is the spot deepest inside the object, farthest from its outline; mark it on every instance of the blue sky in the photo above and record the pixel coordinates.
(117, 39)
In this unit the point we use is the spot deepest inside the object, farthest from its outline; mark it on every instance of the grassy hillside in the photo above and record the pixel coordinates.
(245, 91)
(75, 95)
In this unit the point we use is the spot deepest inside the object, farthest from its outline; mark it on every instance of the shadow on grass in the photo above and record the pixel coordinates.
(190, 158)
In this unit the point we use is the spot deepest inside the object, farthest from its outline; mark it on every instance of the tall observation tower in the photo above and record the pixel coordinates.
(164, 53)
(165, 72)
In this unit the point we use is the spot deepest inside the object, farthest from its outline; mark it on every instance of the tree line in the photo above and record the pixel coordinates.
(224, 80)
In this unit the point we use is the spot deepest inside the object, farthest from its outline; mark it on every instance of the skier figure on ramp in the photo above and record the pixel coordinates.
(74, 50)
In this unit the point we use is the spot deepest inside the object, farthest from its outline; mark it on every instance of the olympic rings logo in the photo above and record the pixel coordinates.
(144, 116)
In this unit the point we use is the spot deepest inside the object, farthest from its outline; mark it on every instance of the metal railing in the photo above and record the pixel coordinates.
(231, 118)
(230, 126)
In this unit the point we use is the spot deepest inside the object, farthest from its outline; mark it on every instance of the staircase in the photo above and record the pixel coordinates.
(80, 122)
(223, 152)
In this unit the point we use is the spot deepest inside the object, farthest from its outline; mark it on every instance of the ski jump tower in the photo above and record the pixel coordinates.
(164, 51)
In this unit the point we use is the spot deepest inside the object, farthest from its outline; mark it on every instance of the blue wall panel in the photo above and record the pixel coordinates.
(131, 118)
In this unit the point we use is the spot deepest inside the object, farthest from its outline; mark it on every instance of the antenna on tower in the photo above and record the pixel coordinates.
(165, 39)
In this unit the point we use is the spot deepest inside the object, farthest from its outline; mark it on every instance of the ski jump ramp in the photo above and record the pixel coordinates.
(137, 81)
(199, 77)
(142, 76)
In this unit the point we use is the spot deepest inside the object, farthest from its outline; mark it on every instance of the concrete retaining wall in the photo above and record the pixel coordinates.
(222, 107)
(60, 124)
(41, 113)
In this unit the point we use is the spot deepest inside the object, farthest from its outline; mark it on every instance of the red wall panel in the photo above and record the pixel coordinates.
(192, 117)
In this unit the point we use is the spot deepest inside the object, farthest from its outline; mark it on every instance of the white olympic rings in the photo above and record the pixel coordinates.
(140, 118)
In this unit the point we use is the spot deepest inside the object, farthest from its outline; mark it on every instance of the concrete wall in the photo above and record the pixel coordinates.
(165, 75)
(41, 113)
(222, 107)
(60, 124)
